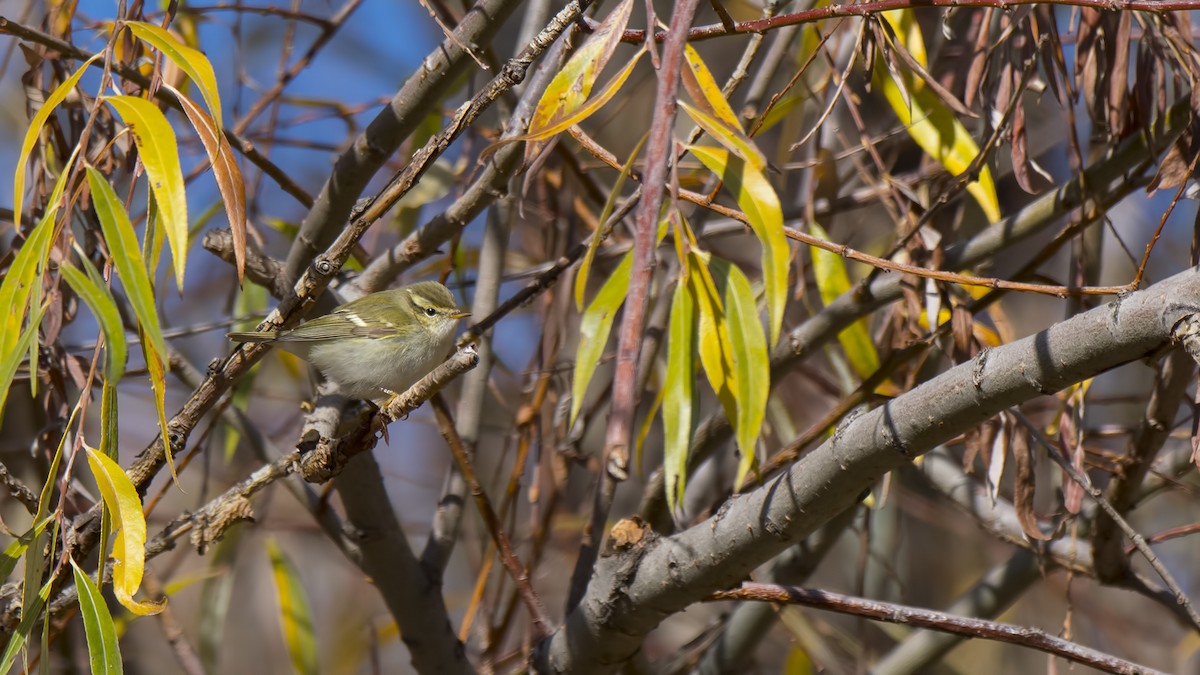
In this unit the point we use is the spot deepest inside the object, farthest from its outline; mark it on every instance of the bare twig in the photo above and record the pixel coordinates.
(1033, 638)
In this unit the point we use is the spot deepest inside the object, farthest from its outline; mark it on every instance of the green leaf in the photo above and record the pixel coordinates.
(571, 86)
(752, 367)
(12, 359)
(13, 552)
(679, 391)
(30, 613)
(34, 132)
(757, 199)
(159, 153)
(295, 617)
(829, 269)
(100, 301)
(191, 61)
(129, 555)
(104, 651)
(585, 265)
(123, 245)
(594, 327)
(227, 174)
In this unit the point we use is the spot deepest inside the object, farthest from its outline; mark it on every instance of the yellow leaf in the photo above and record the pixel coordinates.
(32, 134)
(734, 140)
(703, 89)
(159, 153)
(939, 133)
(129, 555)
(571, 86)
(295, 616)
(716, 352)
(758, 201)
(829, 269)
(191, 61)
(586, 110)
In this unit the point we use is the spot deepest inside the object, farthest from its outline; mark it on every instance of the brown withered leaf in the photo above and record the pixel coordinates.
(978, 442)
(961, 327)
(1175, 166)
(1023, 485)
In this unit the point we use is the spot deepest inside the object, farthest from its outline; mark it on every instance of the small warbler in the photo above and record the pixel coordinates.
(376, 346)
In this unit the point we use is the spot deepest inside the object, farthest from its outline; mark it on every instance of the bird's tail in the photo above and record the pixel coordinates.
(264, 336)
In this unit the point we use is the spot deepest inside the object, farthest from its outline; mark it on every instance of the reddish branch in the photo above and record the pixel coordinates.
(948, 623)
(865, 8)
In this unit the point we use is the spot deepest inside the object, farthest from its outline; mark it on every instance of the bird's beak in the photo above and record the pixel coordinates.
(460, 315)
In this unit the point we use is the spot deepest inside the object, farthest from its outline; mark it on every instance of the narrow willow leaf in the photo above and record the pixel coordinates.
(159, 152)
(101, 303)
(31, 612)
(716, 352)
(129, 555)
(594, 327)
(13, 552)
(679, 391)
(158, 384)
(24, 275)
(12, 360)
(752, 367)
(937, 130)
(227, 174)
(34, 132)
(589, 108)
(214, 599)
(758, 201)
(704, 90)
(123, 245)
(647, 424)
(908, 33)
(191, 61)
(104, 652)
(585, 265)
(734, 140)
(295, 617)
(572, 85)
(832, 279)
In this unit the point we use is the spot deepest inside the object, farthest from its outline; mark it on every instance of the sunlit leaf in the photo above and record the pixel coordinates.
(104, 652)
(585, 265)
(295, 617)
(589, 108)
(758, 201)
(716, 352)
(123, 245)
(829, 269)
(734, 140)
(13, 552)
(752, 367)
(936, 129)
(191, 61)
(572, 85)
(704, 90)
(908, 33)
(227, 174)
(594, 327)
(125, 507)
(679, 390)
(34, 132)
(159, 153)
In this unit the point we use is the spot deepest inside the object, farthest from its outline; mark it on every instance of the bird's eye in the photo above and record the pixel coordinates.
(429, 311)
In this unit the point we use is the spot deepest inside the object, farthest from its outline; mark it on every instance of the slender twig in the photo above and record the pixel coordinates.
(1033, 638)
(1097, 495)
(508, 557)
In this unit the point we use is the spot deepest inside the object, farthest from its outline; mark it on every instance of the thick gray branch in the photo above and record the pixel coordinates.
(633, 590)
